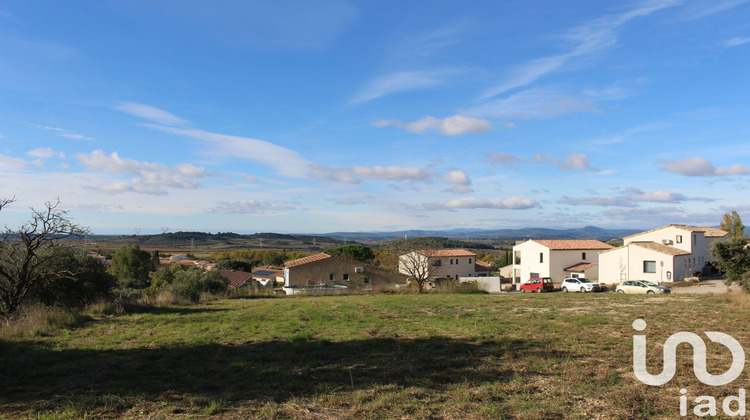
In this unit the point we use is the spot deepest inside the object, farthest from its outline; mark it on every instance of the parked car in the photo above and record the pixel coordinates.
(641, 286)
(538, 285)
(580, 284)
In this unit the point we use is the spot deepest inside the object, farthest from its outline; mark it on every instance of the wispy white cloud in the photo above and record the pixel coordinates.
(736, 42)
(573, 161)
(499, 158)
(63, 132)
(513, 203)
(655, 196)
(701, 9)
(150, 113)
(532, 103)
(582, 40)
(285, 161)
(394, 173)
(149, 178)
(250, 207)
(629, 197)
(702, 167)
(356, 174)
(400, 82)
(45, 153)
(8, 162)
(605, 201)
(450, 126)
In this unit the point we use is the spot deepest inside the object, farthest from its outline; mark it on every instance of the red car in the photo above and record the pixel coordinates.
(538, 284)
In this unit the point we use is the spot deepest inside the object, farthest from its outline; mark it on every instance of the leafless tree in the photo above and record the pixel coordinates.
(25, 253)
(420, 266)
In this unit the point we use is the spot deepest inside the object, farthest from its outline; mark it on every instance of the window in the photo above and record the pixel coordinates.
(469, 260)
(583, 255)
(678, 239)
(330, 277)
(346, 277)
(451, 261)
(541, 257)
(437, 263)
(649, 266)
(367, 280)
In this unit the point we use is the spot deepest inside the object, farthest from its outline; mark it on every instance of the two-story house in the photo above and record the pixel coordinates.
(557, 258)
(441, 264)
(665, 254)
(330, 270)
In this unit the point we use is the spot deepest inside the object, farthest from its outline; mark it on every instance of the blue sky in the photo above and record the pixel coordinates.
(297, 116)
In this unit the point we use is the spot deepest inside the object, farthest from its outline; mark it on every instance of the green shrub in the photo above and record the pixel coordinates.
(87, 282)
(188, 284)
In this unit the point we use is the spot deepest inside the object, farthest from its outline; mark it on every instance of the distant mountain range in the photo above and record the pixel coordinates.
(587, 232)
(481, 238)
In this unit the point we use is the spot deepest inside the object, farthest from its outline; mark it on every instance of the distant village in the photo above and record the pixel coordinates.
(663, 255)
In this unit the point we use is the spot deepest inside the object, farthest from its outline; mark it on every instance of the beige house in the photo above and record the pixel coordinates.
(323, 269)
(665, 254)
(557, 258)
(444, 263)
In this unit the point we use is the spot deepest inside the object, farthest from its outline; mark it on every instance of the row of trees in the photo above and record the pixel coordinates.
(38, 263)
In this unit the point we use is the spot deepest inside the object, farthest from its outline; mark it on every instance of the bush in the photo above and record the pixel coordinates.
(188, 284)
(88, 280)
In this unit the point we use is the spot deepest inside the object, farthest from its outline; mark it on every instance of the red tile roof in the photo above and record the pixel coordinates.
(661, 248)
(572, 244)
(307, 260)
(708, 232)
(582, 266)
(236, 278)
(446, 253)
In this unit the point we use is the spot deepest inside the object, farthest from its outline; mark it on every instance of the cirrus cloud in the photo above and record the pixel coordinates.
(450, 126)
(513, 203)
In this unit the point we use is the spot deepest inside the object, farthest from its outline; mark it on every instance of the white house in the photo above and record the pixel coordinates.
(665, 254)
(557, 258)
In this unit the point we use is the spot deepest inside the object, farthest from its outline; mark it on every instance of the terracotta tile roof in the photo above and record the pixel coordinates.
(582, 266)
(236, 278)
(446, 253)
(708, 232)
(323, 256)
(661, 248)
(572, 244)
(307, 260)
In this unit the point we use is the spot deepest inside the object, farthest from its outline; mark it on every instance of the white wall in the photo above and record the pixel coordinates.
(670, 234)
(529, 252)
(554, 261)
(627, 263)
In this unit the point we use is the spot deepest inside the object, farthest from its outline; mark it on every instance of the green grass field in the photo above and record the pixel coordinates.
(368, 356)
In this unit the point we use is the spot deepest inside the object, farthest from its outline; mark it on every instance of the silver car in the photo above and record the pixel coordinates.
(580, 284)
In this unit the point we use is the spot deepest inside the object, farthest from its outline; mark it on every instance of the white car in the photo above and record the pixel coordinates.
(641, 286)
(580, 284)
